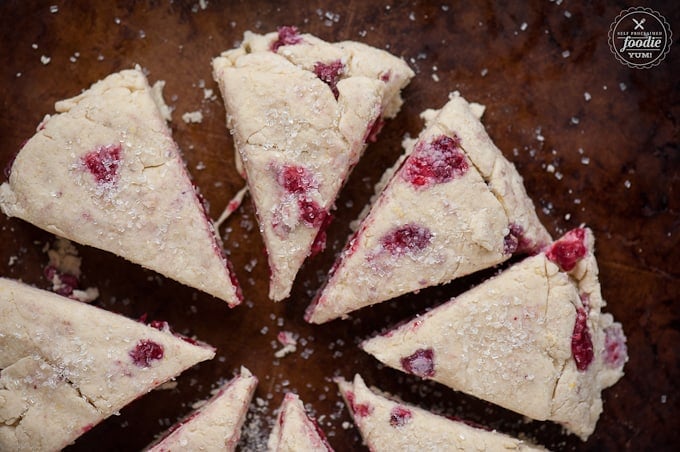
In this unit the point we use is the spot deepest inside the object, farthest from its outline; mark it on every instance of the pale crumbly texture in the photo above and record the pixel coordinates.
(66, 366)
(509, 341)
(216, 425)
(469, 219)
(282, 115)
(63, 256)
(105, 172)
(294, 431)
(388, 425)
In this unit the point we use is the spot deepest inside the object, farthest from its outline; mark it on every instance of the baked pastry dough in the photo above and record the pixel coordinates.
(216, 425)
(301, 111)
(388, 425)
(105, 172)
(452, 206)
(532, 339)
(294, 431)
(65, 366)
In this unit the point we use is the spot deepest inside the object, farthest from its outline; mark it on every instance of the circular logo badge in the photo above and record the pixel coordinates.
(640, 38)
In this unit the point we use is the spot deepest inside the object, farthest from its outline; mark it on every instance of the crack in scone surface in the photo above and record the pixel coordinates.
(61, 372)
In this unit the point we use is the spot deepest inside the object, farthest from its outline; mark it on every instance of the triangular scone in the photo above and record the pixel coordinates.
(301, 111)
(105, 172)
(294, 431)
(452, 206)
(216, 425)
(65, 366)
(386, 425)
(531, 339)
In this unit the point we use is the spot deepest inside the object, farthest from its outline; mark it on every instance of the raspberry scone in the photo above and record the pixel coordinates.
(532, 339)
(301, 111)
(216, 425)
(105, 172)
(294, 431)
(389, 425)
(65, 366)
(453, 206)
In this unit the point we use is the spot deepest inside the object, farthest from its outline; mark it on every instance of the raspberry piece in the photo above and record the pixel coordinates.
(400, 416)
(288, 36)
(510, 243)
(296, 179)
(62, 283)
(103, 163)
(330, 74)
(581, 343)
(437, 161)
(615, 350)
(160, 325)
(420, 363)
(146, 351)
(359, 409)
(406, 239)
(311, 213)
(567, 251)
(319, 243)
(362, 409)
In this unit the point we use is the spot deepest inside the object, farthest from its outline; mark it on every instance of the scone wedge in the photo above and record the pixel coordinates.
(294, 431)
(301, 111)
(65, 366)
(453, 205)
(216, 425)
(389, 425)
(104, 171)
(532, 339)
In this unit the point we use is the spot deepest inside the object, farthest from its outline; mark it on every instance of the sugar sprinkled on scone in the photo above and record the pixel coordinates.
(294, 431)
(105, 172)
(67, 365)
(532, 339)
(216, 424)
(301, 111)
(390, 425)
(453, 205)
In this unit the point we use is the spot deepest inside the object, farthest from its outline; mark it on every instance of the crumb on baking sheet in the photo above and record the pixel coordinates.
(193, 117)
(171, 384)
(232, 205)
(289, 342)
(157, 95)
(63, 271)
